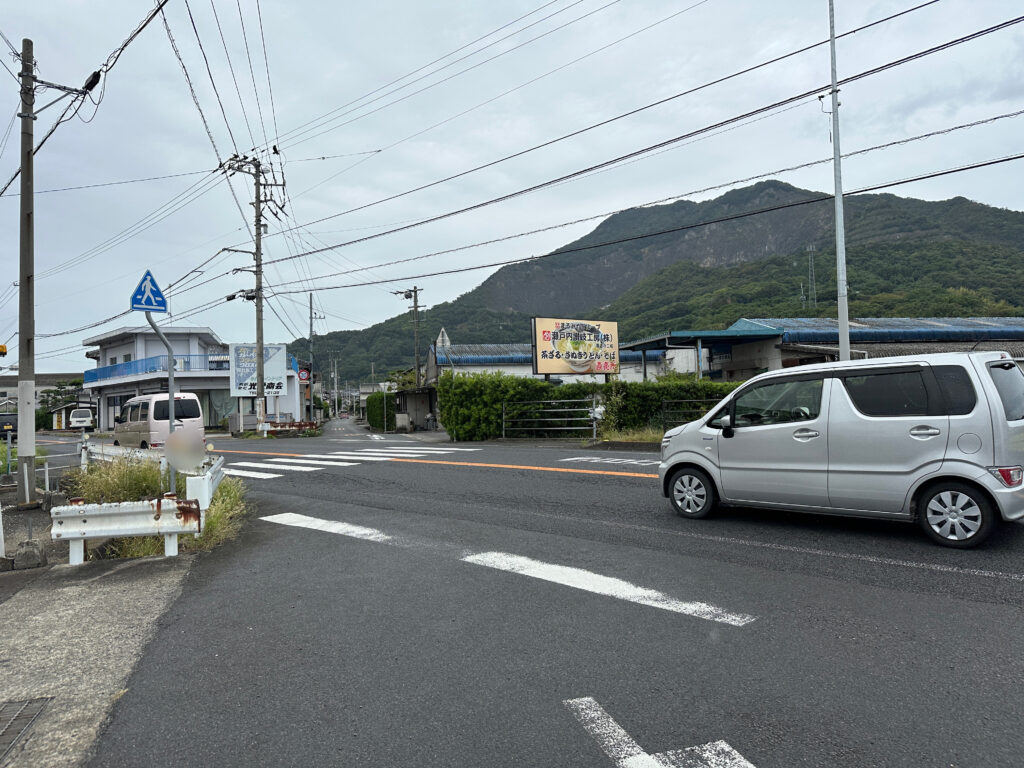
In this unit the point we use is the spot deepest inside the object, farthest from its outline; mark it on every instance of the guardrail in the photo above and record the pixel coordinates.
(167, 517)
(157, 364)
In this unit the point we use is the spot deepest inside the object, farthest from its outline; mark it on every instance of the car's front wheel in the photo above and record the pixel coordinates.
(691, 493)
(956, 515)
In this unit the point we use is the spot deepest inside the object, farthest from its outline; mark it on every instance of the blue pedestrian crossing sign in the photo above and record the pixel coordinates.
(147, 296)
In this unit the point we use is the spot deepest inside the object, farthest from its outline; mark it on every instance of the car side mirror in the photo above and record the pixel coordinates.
(726, 422)
(118, 420)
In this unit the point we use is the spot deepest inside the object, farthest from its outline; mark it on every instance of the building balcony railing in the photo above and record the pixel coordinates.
(156, 365)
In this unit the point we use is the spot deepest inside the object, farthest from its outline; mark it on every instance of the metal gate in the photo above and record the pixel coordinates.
(549, 418)
(676, 412)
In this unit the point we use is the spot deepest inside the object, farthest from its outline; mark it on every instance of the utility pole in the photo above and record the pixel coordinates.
(253, 167)
(26, 284)
(843, 309)
(414, 294)
(312, 317)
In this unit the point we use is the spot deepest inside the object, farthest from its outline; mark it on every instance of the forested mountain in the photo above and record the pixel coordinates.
(905, 257)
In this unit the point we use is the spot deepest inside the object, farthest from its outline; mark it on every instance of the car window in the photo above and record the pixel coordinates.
(126, 411)
(80, 413)
(716, 420)
(779, 403)
(134, 413)
(183, 409)
(144, 412)
(1009, 381)
(889, 394)
(957, 389)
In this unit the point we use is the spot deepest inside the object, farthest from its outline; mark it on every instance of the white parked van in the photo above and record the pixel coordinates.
(143, 420)
(937, 439)
(81, 418)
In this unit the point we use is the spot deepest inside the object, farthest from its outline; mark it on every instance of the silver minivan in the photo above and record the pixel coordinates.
(143, 421)
(934, 438)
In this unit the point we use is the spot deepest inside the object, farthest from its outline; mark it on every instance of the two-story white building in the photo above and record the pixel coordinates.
(132, 361)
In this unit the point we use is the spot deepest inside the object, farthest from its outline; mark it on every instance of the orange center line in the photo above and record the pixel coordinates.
(523, 466)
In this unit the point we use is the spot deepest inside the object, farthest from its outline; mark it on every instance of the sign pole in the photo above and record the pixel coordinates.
(170, 390)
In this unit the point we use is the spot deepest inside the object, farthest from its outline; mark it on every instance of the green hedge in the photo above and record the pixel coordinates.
(469, 405)
(375, 410)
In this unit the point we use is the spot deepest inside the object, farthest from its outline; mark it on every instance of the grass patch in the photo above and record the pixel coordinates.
(222, 523)
(130, 479)
(644, 435)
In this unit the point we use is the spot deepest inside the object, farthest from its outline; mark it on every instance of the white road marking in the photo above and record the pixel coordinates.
(418, 449)
(316, 461)
(604, 585)
(376, 437)
(353, 455)
(268, 465)
(558, 574)
(330, 526)
(622, 750)
(606, 460)
(248, 473)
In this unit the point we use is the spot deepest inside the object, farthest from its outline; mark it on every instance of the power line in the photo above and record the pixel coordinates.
(213, 82)
(635, 153)
(252, 73)
(111, 183)
(445, 79)
(419, 69)
(682, 228)
(231, 68)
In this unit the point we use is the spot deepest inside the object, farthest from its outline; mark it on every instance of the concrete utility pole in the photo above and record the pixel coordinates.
(843, 310)
(253, 167)
(312, 317)
(26, 284)
(414, 294)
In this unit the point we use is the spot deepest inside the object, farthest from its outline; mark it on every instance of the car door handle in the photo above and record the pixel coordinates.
(925, 431)
(806, 434)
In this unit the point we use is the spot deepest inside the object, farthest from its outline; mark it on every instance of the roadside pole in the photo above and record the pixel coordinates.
(147, 297)
(26, 286)
(170, 392)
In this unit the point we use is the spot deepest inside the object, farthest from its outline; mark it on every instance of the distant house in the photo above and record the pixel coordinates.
(133, 361)
(752, 346)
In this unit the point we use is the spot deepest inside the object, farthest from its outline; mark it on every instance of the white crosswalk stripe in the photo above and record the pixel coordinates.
(272, 467)
(249, 473)
(268, 465)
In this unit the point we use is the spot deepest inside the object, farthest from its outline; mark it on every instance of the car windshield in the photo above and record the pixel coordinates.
(81, 414)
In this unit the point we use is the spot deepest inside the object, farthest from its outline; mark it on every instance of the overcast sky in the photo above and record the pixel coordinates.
(375, 70)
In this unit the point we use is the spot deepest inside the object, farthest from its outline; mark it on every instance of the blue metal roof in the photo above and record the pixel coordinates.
(896, 329)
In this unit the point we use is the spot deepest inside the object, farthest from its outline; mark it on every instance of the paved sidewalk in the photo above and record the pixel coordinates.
(75, 633)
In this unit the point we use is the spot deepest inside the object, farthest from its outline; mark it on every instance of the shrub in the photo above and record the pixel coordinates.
(375, 407)
(470, 405)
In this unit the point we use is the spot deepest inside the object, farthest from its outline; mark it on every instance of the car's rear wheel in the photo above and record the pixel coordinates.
(691, 493)
(956, 515)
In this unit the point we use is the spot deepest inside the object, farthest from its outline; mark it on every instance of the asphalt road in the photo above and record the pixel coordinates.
(512, 605)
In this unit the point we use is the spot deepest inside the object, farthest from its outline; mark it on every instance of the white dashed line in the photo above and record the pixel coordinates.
(577, 578)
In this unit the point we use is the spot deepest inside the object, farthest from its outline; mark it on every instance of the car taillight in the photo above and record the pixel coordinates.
(1008, 476)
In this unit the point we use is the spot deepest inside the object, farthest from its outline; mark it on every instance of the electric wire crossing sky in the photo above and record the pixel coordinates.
(147, 296)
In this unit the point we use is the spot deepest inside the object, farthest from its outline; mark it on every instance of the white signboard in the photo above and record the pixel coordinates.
(243, 369)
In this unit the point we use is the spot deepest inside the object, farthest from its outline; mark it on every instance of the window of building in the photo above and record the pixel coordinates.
(127, 359)
(112, 360)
